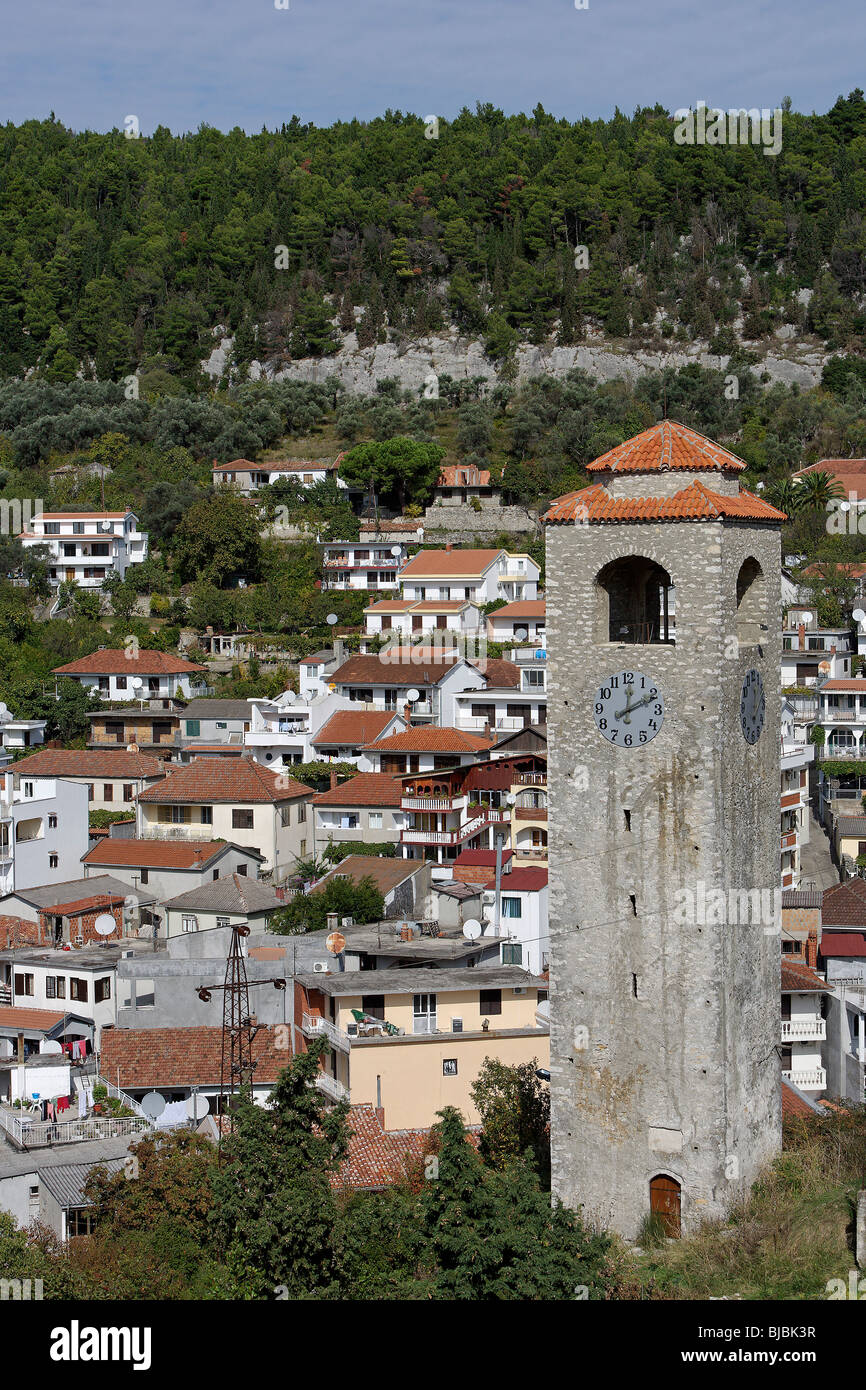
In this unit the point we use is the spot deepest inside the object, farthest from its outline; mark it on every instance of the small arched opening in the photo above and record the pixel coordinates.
(636, 602)
(666, 1203)
(751, 603)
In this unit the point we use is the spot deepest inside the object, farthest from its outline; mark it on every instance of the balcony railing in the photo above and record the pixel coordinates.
(804, 1030)
(530, 779)
(433, 803)
(40, 1134)
(314, 1026)
(334, 1090)
(811, 1079)
(789, 840)
(428, 837)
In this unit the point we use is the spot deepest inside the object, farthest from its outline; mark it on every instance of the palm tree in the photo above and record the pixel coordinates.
(782, 494)
(813, 491)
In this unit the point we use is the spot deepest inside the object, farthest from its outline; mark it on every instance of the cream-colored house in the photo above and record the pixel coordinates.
(232, 799)
(413, 1041)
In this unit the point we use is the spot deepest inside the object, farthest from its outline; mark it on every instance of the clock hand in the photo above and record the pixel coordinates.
(647, 699)
(618, 714)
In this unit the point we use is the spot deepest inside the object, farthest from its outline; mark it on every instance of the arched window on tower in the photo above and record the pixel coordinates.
(636, 602)
(751, 604)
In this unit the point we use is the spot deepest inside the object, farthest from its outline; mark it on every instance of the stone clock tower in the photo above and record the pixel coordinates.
(663, 598)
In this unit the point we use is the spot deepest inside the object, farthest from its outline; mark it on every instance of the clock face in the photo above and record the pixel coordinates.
(628, 709)
(752, 706)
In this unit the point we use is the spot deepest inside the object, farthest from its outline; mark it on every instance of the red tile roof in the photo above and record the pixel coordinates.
(276, 466)
(378, 1157)
(595, 505)
(156, 854)
(13, 1017)
(458, 475)
(850, 473)
(498, 673)
(114, 661)
(844, 905)
(348, 727)
(424, 669)
(431, 739)
(843, 684)
(452, 564)
(207, 780)
(802, 979)
(528, 880)
(77, 906)
(663, 446)
(367, 789)
(181, 1056)
(88, 762)
(794, 1104)
(525, 608)
(84, 516)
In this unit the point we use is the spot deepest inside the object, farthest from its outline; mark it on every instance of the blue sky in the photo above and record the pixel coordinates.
(179, 63)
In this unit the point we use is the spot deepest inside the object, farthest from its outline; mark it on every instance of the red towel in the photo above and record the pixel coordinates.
(62, 1104)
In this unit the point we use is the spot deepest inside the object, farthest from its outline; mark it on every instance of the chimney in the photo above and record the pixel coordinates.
(333, 921)
(488, 731)
(449, 545)
(801, 637)
(333, 781)
(339, 651)
(812, 947)
(407, 715)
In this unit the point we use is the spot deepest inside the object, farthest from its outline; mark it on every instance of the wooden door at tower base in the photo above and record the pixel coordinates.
(665, 1203)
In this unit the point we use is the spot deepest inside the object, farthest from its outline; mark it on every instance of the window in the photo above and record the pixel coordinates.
(349, 821)
(302, 812)
(751, 603)
(53, 861)
(120, 682)
(145, 875)
(80, 1221)
(103, 684)
(449, 1066)
(50, 987)
(90, 791)
(28, 788)
(206, 815)
(490, 1001)
(512, 953)
(242, 870)
(512, 907)
(221, 724)
(193, 728)
(61, 986)
(23, 984)
(102, 989)
(177, 815)
(424, 1013)
(534, 678)
(285, 815)
(375, 820)
(302, 849)
(223, 921)
(634, 601)
(144, 994)
(78, 989)
(374, 1005)
(242, 819)
(78, 528)
(189, 923)
(108, 791)
(128, 791)
(52, 822)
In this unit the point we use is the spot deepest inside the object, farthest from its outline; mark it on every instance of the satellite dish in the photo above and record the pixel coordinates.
(3, 711)
(472, 929)
(331, 619)
(291, 697)
(50, 1047)
(396, 550)
(153, 1104)
(132, 748)
(521, 633)
(105, 525)
(335, 944)
(104, 924)
(197, 1107)
(858, 615)
(413, 694)
(136, 682)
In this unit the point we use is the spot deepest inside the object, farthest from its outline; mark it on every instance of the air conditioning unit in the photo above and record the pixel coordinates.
(320, 967)
(457, 1025)
(518, 989)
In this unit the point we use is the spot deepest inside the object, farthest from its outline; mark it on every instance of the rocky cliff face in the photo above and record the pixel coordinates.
(359, 369)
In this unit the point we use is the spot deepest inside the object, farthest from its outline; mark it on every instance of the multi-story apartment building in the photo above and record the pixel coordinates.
(454, 809)
(518, 622)
(86, 546)
(804, 1027)
(116, 673)
(478, 575)
(797, 757)
(365, 809)
(43, 830)
(842, 716)
(361, 565)
(514, 696)
(811, 653)
(843, 958)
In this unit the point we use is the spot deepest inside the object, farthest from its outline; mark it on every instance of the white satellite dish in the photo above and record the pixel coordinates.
(50, 1047)
(396, 550)
(331, 619)
(472, 929)
(132, 748)
(858, 615)
(291, 697)
(106, 525)
(136, 682)
(104, 924)
(413, 694)
(153, 1104)
(521, 634)
(197, 1107)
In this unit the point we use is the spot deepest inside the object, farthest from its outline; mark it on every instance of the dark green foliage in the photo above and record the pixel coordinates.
(309, 911)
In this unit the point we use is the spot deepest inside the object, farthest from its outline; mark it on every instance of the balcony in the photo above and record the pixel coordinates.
(838, 716)
(536, 854)
(314, 1026)
(804, 1029)
(809, 1079)
(428, 837)
(333, 1089)
(433, 803)
(167, 831)
(538, 813)
(789, 840)
(531, 779)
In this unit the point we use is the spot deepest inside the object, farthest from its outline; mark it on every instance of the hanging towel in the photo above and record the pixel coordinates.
(62, 1104)
(82, 1047)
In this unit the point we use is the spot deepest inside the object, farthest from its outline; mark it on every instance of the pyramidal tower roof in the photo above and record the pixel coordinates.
(665, 446)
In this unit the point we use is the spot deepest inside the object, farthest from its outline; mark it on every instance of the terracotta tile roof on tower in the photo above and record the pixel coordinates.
(367, 789)
(113, 661)
(225, 779)
(431, 739)
(353, 727)
(88, 762)
(844, 905)
(663, 446)
(595, 505)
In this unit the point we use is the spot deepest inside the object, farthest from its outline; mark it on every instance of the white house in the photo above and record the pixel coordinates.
(797, 756)
(315, 671)
(138, 673)
(384, 681)
(17, 734)
(478, 575)
(360, 565)
(409, 617)
(518, 622)
(86, 546)
(43, 831)
(804, 1028)
(842, 715)
(112, 778)
(366, 808)
(523, 916)
(168, 868)
(80, 982)
(247, 477)
(234, 900)
(514, 696)
(234, 799)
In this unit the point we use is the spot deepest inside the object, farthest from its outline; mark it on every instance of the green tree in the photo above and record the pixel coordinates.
(398, 469)
(309, 911)
(217, 540)
(514, 1105)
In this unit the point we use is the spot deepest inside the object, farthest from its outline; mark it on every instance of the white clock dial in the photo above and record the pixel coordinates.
(752, 706)
(628, 708)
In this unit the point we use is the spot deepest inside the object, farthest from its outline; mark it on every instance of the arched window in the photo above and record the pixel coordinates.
(751, 603)
(635, 602)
